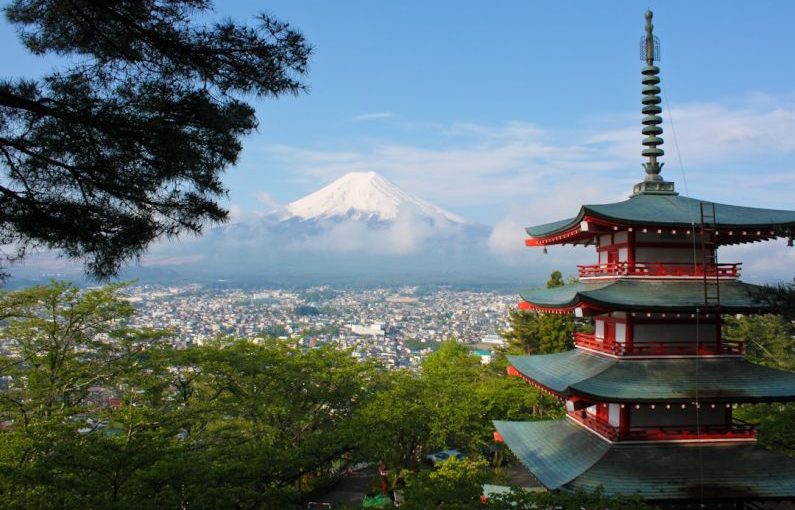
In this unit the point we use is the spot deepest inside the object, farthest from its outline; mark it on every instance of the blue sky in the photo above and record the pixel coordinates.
(514, 112)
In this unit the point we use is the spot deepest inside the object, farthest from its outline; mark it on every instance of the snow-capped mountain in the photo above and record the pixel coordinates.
(365, 196)
(359, 228)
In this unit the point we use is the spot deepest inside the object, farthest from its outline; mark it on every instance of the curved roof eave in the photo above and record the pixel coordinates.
(555, 451)
(712, 471)
(669, 211)
(645, 295)
(605, 379)
(562, 455)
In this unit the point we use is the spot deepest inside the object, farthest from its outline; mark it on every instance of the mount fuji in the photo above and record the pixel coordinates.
(365, 196)
(361, 229)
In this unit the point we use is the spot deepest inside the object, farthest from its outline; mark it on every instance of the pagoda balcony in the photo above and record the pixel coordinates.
(636, 348)
(738, 430)
(660, 269)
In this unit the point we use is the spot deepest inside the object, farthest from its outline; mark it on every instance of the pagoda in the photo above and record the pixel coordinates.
(650, 394)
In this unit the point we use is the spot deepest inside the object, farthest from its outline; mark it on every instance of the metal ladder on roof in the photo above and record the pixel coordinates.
(709, 263)
(709, 270)
(709, 258)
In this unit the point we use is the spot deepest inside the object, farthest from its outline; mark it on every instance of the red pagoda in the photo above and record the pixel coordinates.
(650, 394)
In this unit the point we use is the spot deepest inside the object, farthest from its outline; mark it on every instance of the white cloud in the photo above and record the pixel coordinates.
(709, 133)
(545, 205)
(471, 164)
(769, 262)
(408, 234)
(265, 198)
(373, 116)
(236, 212)
(485, 166)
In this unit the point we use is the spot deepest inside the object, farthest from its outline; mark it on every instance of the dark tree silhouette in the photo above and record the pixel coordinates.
(126, 143)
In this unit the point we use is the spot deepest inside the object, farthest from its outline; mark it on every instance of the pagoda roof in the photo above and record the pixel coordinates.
(647, 296)
(582, 373)
(670, 210)
(563, 455)
(554, 451)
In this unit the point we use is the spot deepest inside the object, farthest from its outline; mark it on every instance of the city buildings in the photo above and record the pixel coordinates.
(396, 326)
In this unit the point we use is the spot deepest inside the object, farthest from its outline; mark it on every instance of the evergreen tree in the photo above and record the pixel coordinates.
(540, 333)
(536, 333)
(126, 143)
(555, 280)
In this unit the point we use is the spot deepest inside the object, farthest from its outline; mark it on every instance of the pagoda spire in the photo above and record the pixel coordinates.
(650, 53)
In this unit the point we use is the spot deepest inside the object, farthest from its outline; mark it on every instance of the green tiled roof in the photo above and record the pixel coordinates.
(579, 372)
(562, 455)
(553, 227)
(560, 370)
(555, 452)
(671, 211)
(664, 472)
(647, 295)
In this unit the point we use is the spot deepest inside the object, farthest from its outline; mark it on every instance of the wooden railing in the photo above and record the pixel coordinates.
(737, 430)
(595, 424)
(589, 341)
(676, 269)
(726, 347)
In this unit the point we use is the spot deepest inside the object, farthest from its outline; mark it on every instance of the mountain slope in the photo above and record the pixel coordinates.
(365, 196)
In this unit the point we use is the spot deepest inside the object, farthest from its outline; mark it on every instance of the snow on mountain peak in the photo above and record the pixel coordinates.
(364, 196)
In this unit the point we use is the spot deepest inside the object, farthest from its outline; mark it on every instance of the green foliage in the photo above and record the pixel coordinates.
(510, 398)
(450, 404)
(275, 331)
(555, 280)
(525, 500)
(231, 424)
(555, 333)
(396, 425)
(127, 141)
(449, 376)
(768, 338)
(768, 341)
(535, 333)
(61, 447)
(774, 424)
(416, 345)
(539, 333)
(455, 485)
(306, 310)
(781, 297)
